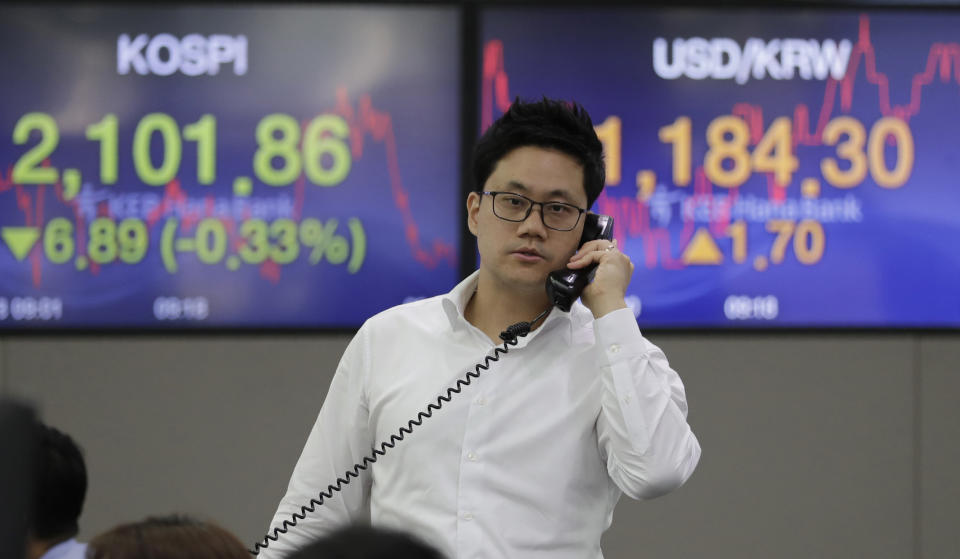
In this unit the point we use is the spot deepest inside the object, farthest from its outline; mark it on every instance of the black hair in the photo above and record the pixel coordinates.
(361, 541)
(547, 123)
(60, 486)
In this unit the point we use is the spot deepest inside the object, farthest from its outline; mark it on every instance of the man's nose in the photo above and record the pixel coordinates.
(533, 224)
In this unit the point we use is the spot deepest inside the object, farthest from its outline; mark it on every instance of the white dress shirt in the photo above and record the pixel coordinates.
(528, 461)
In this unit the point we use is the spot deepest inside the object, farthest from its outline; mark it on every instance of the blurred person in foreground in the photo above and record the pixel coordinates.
(167, 537)
(362, 541)
(59, 492)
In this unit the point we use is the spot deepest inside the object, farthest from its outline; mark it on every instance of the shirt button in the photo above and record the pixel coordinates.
(614, 348)
(471, 457)
(481, 401)
(467, 516)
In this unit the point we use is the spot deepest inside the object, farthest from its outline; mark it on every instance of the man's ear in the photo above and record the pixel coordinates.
(473, 211)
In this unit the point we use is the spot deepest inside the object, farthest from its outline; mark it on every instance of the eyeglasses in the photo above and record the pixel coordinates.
(558, 216)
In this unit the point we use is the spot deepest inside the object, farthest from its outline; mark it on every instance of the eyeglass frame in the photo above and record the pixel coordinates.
(493, 206)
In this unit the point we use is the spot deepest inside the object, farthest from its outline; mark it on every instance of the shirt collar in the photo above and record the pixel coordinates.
(455, 303)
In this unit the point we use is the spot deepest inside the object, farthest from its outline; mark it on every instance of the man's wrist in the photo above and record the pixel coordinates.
(604, 306)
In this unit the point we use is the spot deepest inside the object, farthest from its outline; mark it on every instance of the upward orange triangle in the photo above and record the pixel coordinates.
(702, 250)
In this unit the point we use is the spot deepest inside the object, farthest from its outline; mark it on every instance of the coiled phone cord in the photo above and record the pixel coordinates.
(509, 337)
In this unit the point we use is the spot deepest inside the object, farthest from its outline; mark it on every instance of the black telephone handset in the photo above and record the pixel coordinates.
(564, 286)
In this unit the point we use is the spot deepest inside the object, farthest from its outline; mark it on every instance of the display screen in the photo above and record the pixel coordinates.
(226, 167)
(791, 168)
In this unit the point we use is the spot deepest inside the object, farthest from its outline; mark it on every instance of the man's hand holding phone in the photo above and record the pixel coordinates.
(607, 291)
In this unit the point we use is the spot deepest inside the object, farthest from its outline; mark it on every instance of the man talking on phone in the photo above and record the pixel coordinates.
(530, 458)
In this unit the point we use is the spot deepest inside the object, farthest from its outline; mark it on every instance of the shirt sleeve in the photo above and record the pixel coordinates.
(642, 428)
(339, 439)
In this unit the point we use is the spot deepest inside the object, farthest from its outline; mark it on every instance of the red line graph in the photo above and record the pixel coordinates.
(495, 83)
(379, 125)
(943, 58)
(365, 121)
(633, 215)
(32, 209)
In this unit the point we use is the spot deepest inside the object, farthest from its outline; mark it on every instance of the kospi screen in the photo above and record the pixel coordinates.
(789, 168)
(225, 166)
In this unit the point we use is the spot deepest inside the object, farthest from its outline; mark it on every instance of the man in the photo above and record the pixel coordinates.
(529, 460)
(60, 489)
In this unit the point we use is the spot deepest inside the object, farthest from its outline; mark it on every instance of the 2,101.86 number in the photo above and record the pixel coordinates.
(321, 154)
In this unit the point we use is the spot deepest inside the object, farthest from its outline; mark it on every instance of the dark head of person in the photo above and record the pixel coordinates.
(367, 542)
(550, 124)
(60, 488)
(167, 537)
